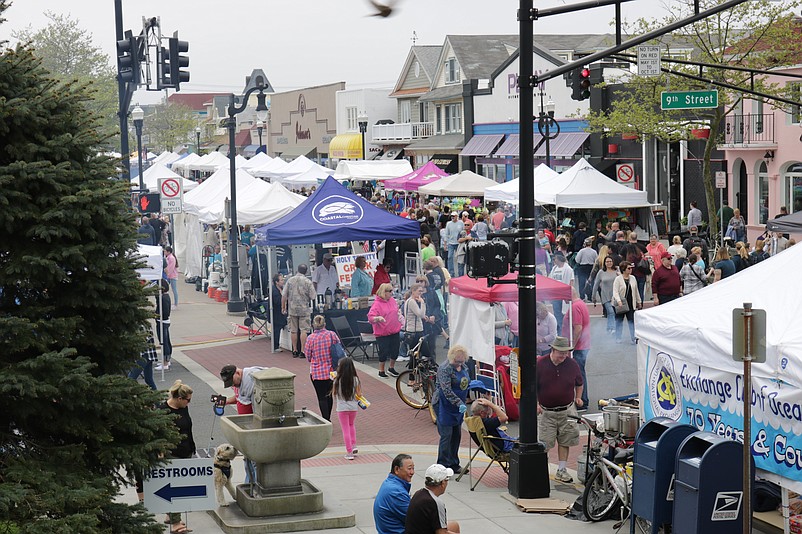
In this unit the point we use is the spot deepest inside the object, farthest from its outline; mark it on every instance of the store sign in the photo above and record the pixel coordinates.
(346, 265)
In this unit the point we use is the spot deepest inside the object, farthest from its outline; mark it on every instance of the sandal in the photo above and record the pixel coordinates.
(179, 528)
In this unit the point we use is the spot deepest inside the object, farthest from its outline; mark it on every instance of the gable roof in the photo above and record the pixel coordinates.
(427, 56)
(479, 55)
(194, 101)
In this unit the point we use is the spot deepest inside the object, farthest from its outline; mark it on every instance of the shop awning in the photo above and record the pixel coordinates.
(564, 145)
(447, 162)
(292, 152)
(510, 147)
(250, 150)
(346, 146)
(481, 145)
(392, 153)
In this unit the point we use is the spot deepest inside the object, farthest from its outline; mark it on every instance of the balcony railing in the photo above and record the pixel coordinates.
(749, 129)
(407, 131)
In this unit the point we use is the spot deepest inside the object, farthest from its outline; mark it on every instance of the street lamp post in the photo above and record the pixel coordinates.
(545, 123)
(138, 116)
(197, 140)
(362, 121)
(236, 305)
(260, 125)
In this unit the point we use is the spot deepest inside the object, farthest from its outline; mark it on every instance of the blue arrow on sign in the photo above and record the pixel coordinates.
(168, 493)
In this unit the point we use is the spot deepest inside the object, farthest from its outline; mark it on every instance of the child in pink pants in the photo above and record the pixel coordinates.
(346, 389)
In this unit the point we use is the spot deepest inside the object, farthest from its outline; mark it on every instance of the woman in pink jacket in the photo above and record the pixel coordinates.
(386, 320)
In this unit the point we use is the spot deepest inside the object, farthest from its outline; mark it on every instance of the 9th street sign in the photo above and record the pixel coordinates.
(689, 99)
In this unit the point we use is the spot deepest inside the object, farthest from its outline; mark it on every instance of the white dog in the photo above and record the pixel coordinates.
(222, 472)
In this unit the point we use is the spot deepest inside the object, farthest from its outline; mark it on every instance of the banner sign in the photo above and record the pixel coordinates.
(346, 267)
(712, 400)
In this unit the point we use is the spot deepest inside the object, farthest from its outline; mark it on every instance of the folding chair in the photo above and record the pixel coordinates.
(350, 341)
(368, 338)
(491, 445)
(257, 317)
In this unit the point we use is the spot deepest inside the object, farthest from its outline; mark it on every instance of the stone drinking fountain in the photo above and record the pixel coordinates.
(276, 437)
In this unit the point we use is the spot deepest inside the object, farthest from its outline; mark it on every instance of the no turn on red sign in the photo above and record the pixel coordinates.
(625, 174)
(171, 195)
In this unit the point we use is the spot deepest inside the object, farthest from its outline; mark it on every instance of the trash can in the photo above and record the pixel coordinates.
(656, 445)
(708, 489)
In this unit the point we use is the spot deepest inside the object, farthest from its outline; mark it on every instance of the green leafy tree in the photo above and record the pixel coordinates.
(69, 51)
(73, 427)
(757, 34)
(170, 126)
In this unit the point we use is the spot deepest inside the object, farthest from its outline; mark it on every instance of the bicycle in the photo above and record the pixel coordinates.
(417, 386)
(609, 487)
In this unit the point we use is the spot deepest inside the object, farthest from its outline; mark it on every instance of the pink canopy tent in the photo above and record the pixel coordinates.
(412, 181)
(547, 289)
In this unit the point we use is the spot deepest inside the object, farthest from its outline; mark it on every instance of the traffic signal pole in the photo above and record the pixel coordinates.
(124, 97)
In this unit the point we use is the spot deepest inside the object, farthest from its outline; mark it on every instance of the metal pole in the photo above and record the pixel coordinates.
(235, 303)
(529, 475)
(721, 211)
(122, 112)
(548, 144)
(138, 125)
(747, 448)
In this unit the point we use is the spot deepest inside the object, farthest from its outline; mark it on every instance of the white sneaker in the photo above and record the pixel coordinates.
(159, 367)
(563, 476)
(402, 359)
(349, 456)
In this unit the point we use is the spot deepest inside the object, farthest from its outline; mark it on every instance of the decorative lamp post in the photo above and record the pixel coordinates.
(235, 303)
(545, 123)
(197, 140)
(362, 121)
(259, 127)
(138, 116)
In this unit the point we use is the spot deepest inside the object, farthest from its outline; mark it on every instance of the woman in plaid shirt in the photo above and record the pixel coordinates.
(318, 353)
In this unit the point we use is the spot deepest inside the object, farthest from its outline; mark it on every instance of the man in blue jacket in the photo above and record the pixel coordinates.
(392, 501)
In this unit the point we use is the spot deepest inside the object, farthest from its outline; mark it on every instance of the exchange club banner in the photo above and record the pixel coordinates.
(712, 401)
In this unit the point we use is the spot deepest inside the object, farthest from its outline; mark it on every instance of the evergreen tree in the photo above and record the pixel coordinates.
(73, 428)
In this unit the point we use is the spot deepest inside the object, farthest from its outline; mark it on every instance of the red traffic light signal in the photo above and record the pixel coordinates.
(580, 84)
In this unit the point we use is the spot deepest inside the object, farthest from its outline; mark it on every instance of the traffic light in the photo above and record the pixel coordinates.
(128, 59)
(173, 62)
(580, 84)
(149, 203)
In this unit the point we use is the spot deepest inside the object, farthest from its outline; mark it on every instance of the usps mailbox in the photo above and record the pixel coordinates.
(656, 445)
(708, 490)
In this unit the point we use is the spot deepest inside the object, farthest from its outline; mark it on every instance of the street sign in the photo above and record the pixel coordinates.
(689, 99)
(181, 485)
(625, 174)
(721, 179)
(648, 60)
(757, 335)
(171, 195)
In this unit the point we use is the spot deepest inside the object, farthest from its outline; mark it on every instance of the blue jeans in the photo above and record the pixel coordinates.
(174, 287)
(580, 357)
(610, 309)
(556, 305)
(641, 286)
(452, 259)
(449, 445)
(143, 367)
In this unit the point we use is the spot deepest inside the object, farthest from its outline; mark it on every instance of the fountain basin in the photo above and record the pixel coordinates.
(302, 435)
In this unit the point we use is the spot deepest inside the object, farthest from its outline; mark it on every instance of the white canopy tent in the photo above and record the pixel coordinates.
(266, 206)
(265, 170)
(685, 348)
(434, 188)
(166, 158)
(467, 184)
(213, 191)
(313, 176)
(158, 171)
(508, 191)
(256, 161)
(181, 166)
(582, 186)
(299, 166)
(210, 162)
(371, 170)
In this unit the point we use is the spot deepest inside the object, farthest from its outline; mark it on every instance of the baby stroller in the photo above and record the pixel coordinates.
(257, 316)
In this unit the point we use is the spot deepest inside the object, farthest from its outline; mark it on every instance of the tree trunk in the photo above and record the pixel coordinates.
(708, 179)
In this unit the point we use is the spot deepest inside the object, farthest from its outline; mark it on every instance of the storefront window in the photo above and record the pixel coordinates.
(763, 194)
(793, 180)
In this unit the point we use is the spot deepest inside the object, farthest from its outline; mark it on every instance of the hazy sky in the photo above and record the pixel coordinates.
(300, 43)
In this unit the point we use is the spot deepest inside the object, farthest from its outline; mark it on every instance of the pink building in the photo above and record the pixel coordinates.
(763, 145)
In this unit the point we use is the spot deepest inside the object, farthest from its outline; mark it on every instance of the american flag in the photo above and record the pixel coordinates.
(366, 246)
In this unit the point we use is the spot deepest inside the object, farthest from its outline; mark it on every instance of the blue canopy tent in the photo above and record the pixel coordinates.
(333, 213)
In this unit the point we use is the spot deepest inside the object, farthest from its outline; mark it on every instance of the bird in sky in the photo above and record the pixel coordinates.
(382, 10)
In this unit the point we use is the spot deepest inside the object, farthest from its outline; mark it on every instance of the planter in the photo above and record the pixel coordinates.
(700, 133)
(629, 137)
(612, 148)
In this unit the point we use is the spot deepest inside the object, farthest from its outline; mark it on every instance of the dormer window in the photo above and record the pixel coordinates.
(452, 71)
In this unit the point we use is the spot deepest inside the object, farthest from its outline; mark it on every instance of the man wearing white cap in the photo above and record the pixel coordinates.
(427, 512)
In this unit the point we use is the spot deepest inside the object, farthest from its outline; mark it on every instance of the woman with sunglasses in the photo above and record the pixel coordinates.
(626, 300)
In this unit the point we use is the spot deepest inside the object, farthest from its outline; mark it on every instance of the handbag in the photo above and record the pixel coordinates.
(337, 351)
(622, 308)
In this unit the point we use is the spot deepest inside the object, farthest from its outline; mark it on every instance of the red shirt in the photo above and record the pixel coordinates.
(380, 277)
(666, 281)
(581, 315)
(556, 383)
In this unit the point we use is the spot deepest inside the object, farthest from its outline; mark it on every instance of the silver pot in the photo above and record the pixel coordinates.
(611, 421)
(628, 422)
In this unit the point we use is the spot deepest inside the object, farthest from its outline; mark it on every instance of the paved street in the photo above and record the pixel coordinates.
(204, 342)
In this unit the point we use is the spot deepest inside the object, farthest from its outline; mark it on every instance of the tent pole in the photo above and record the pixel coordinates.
(270, 296)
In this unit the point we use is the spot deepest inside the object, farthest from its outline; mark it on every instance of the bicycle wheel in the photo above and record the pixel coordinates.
(430, 392)
(411, 389)
(599, 498)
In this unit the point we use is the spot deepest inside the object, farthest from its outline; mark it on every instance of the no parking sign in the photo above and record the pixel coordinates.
(625, 174)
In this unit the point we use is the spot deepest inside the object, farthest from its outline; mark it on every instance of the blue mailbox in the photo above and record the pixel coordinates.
(656, 445)
(708, 490)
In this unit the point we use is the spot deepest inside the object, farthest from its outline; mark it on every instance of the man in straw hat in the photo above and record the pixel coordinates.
(559, 392)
